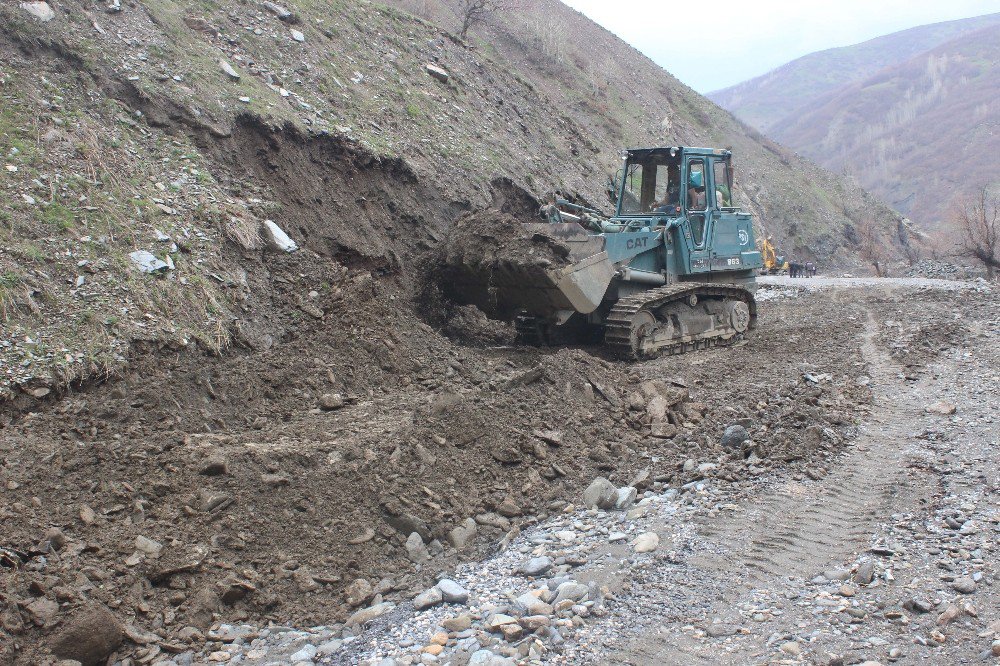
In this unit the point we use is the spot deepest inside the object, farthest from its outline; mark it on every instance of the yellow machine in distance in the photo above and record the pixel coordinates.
(773, 262)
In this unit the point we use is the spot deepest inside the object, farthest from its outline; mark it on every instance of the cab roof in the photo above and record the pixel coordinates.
(678, 150)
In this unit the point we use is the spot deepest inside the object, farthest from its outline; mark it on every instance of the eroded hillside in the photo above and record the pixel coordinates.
(177, 129)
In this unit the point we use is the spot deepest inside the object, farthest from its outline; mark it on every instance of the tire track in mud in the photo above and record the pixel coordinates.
(797, 529)
(800, 529)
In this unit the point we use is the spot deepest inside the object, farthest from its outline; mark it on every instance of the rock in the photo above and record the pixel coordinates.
(551, 437)
(438, 73)
(847, 591)
(493, 520)
(40, 10)
(536, 566)
(950, 614)
(281, 12)
(275, 238)
(456, 624)
(140, 636)
(305, 654)
(428, 598)
(461, 536)
(147, 262)
(663, 430)
(570, 591)
(229, 71)
(734, 436)
(415, 549)
(643, 479)
(965, 585)
(720, 629)
(366, 615)
(625, 498)
(297, 35)
(791, 648)
(487, 658)
(657, 408)
(646, 542)
(942, 408)
(865, 573)
(148, 546)
(42, 611)
(90, 637)
(329, 648)
(55, 537)
(87, 515)
(202, 607)
(358, 592)
(535, 622)
(275, 480)
(214, 466)
(837, 574)
(532, 605)
(331, 401)
(600, 494)
(509, 508)
(918, 605)
(452, 591)
(498, 620)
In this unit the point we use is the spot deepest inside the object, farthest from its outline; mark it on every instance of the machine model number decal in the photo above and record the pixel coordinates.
(744, 238)
(633, 243)
(733, 261)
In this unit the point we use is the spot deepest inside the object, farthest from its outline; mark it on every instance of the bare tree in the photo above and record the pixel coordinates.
(978, 222)
(870, 245)
(474, 12)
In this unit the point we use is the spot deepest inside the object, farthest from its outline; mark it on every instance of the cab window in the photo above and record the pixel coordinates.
(697, 198)
(723, 183)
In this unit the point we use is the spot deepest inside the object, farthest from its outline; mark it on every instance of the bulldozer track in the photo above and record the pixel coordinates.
(802, 529)
(618, 332)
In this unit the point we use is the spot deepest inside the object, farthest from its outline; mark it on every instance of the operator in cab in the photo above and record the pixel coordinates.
(672, 197)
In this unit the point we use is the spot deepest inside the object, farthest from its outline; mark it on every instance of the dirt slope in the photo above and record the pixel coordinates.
(122, 132)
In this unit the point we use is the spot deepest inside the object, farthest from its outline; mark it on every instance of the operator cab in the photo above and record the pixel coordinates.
(673, 181)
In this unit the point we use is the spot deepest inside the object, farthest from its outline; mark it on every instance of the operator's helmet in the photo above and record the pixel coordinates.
(696, 179)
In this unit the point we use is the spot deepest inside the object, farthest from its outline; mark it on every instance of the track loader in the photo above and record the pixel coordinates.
(672, 270)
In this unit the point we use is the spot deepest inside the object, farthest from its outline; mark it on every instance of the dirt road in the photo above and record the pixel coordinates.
(840, 566)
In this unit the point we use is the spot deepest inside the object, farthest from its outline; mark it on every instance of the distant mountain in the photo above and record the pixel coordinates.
(921, 132)
(922, 135)
(768, 100)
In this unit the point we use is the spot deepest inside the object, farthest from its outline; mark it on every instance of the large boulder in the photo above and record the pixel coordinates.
(89, 637)
(600, 494)
(734, 437)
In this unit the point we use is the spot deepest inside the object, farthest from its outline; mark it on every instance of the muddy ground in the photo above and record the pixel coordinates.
(255, 488)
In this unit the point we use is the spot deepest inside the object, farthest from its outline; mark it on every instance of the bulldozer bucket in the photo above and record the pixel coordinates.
(553, 268)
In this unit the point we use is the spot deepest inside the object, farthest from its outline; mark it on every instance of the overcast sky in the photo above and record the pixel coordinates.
(737, 40)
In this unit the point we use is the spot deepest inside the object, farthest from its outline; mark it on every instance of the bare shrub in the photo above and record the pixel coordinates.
(977, 221)
(871, 246)
(474, 12)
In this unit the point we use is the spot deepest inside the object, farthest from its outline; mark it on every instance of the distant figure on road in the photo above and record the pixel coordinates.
(810, 269)
(794, 269)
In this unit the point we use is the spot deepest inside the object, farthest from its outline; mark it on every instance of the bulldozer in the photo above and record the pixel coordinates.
(672, 270)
